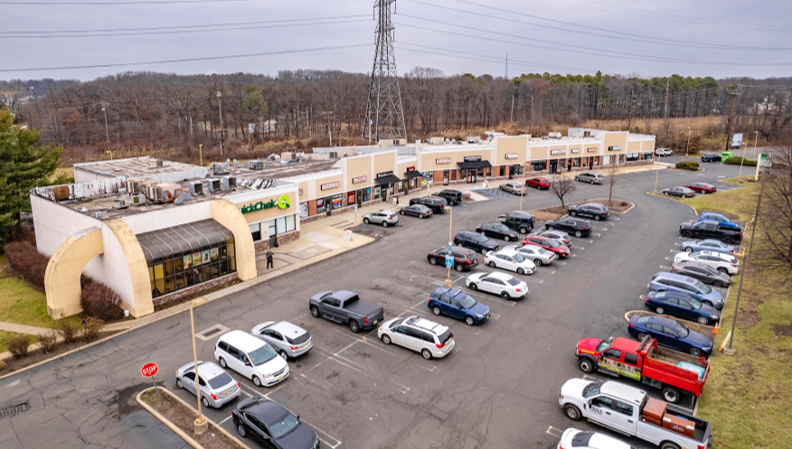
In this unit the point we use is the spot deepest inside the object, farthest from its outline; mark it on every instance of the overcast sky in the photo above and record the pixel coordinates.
(648, 38)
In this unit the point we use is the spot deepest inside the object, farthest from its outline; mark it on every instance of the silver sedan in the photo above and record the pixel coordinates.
(288, 339)
(217, 387)
(539, 256)
(513, 188)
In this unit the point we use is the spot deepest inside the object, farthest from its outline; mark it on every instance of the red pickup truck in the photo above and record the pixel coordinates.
(643, 361)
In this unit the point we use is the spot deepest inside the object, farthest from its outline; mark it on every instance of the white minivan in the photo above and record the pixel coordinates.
(251, 357)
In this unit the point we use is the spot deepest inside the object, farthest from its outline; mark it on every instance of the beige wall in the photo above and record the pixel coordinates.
(634, 146)
(384, 162)
(429, 161)
(403, 168)
(539, 153)
(228, 215)
(323, 193)
(615, 139)
(510, 145)
(62, 278)
(304, 187)
(142, 302)
(355, 168)
(585, 149)
(273, 212)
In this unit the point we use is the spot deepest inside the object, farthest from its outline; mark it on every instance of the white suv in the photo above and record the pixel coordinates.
(251, 357)
(725, 263)
(419, 334)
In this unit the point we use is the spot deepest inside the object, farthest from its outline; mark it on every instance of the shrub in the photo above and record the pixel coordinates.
(27, 263)
(48, 341)
(91, 328)
(100, 301)
(3, 366)
(19, 345)
(735, 160)
(688, 165)
(70, 331)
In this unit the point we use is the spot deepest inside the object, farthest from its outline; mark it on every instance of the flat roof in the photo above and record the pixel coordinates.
(139, 167)
(278, 170)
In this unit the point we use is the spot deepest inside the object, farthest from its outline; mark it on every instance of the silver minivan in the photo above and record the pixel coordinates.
(590, 177)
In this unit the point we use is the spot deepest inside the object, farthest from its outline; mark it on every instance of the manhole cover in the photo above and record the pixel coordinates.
(213, 331)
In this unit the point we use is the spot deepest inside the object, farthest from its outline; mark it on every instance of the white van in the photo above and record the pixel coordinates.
(251, 357)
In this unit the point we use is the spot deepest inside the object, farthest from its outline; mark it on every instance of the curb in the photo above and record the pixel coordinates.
(177, 430)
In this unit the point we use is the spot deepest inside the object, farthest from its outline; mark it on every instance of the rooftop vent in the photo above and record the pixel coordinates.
(256, 165)
(229, 182)
(160, 163)
(220, 169)
(196, 188)
(134, 186)
(554, 135)
(215, 185)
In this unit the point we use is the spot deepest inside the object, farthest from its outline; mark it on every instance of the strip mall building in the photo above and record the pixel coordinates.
(157, 230)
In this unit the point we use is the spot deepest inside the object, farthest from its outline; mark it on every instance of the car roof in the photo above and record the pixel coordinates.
(622, 391)
(674, 276)
(425, 324)
(507, 252)
(602, 441)
(675, 294)
(267, 411)
(710, 221)
(208, 370)
(287, 328)
(343, 294)
(718, 242)
(499, 275)
(242, 340)
(516, 213)
(386, 211)
(543, 238)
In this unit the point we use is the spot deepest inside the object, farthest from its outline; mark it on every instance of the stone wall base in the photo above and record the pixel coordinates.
(263, 245)
(174, 296)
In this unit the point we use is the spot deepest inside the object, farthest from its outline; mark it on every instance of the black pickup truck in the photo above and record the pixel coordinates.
(708, 229)
(346, 307)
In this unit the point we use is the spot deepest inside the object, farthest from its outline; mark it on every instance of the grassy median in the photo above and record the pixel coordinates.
(748, 397)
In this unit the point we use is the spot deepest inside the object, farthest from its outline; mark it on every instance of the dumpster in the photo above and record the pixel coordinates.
(725, 155)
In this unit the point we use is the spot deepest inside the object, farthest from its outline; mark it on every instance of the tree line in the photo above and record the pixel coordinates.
(158, 110)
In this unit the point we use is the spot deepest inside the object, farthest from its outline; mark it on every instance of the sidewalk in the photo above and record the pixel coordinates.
(22, 329)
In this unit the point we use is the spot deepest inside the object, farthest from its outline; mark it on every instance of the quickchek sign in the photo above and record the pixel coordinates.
(281, 203)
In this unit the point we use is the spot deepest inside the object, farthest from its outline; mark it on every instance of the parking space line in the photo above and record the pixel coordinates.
(404, 389)
(554, 432)
(343, 358)
(223, 421)
(561, 263)
(366, 342)
(595, 235)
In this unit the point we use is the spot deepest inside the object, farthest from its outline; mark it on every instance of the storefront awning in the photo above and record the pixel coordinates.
(390, 179)
(477, 164)
(183, 240)
(413, 174)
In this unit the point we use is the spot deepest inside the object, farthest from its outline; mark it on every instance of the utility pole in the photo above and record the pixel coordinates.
(687, 148)
(506, 76)
(733, 90)
(629, 119)
(666, 101)
(384, 109)
(107, 130)
(222, 128)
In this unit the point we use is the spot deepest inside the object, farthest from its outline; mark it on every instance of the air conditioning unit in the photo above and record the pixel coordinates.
(334, 155)
(160, 163)
(139, 199)
(134, 186)
(256, 165)
(215, 185)
(554, 135)
(196, 188)
(474, 139)
(220, 168)
(154, 192)
(229, 182)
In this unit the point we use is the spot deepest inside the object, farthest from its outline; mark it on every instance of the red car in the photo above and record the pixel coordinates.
(548, 244)
(539, 183)
(701, 187)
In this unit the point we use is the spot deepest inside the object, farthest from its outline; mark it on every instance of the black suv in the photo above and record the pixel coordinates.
(594, 210)
(519, 220)
(273, 426)
(708, 229)
(577, 226)
(498, 230)
(475, 241)
(453, 197)
(436, 203)
(710, 157)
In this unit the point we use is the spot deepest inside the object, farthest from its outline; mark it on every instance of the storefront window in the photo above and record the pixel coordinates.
(428, 176)
(632, 156)
(281, 224)
(290, 223)
(272, 230)
(320, 206)
(576, 162)
(538, 165)
(562, 164)
(255, 230)
(377, 192)
(646, 156)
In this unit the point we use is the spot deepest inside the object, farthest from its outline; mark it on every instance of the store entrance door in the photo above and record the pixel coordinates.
(553, 166)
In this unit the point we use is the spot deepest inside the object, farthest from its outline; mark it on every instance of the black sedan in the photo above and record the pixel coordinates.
(702, 272)
(575, 226)
(681, 305)
(475, 241)
(594, 210)
(710, 157)
(416, 210)
(498, 231)
(680, 191)
(272, 425)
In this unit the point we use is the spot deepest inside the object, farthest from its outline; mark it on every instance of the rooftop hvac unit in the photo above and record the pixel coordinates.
(229, 182)
(256, 165)
(474, 139)
(586, 133)
(134, 186)
(139, 199)
(160, 163)
(196, 188)
(334, 154)
(554, 135)
(220, 168)
(214, 185)
(154, 193)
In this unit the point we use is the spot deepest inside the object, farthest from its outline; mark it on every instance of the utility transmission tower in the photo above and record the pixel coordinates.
(734, 91)
(384, 112)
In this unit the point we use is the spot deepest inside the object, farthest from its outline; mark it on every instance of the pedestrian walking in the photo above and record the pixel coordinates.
(269, 260)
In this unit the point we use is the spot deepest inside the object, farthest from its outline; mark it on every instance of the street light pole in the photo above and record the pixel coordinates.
(107, 130)
(522, 189)
(200, 424)
(756, 139)
(448, 282)
(657, 171)
(745, 147)
(746, 260)
(688, 144)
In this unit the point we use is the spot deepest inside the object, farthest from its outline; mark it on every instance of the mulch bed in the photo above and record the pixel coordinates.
(36, 356)
(183, 418)
(556, 212)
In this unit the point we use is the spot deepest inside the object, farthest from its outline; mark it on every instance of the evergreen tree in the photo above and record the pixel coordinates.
(23, 165)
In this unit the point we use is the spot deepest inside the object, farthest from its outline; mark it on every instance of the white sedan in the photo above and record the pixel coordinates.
(725, 263)
(505, 285)
(586, 439)
(540, 256)
(509, 260)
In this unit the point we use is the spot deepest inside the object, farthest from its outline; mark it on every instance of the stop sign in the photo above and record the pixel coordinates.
(149, 369)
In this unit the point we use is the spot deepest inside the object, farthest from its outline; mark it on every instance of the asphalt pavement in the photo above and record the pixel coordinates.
(497, 389)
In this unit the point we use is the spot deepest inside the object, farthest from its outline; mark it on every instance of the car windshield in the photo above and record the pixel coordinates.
(602, 346)
(284, 426)
(396, 322)
(500, 227)
(262, 355)
(681, 330)
(300, 339)
(518, 258)
(466, 301)
(694, 303)
(543, 251)
(591, 389)
(220, 381)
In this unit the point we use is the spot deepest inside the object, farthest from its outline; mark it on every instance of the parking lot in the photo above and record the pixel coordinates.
(499, 386)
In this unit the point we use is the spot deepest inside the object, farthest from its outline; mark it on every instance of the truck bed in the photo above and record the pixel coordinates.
(663, 366)
(700, 435)
(363, 308)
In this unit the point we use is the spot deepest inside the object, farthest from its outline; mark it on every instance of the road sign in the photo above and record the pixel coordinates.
(149, 369)
(736, 140)
(449, 246)
(449, 261)
(348, 235)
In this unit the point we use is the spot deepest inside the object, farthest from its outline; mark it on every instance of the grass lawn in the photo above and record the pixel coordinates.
(748, 397)
(22, 304)
(5, 336)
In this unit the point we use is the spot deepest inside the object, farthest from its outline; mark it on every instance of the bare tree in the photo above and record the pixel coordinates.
(612, 171)
(775, 216)
(562, 187)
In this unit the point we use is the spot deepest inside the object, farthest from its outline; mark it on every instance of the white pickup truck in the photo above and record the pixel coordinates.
(620, 407)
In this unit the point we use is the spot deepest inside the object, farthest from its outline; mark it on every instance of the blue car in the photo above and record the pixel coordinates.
(664, 281)
(459, 305)
(475, 241)
(670, 334)
(682, 305)
(722, 221)
(707, 245)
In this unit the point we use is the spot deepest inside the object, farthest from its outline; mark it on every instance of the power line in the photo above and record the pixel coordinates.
(173, 61)
(120, 3)
(633, 37)
(184, 31)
